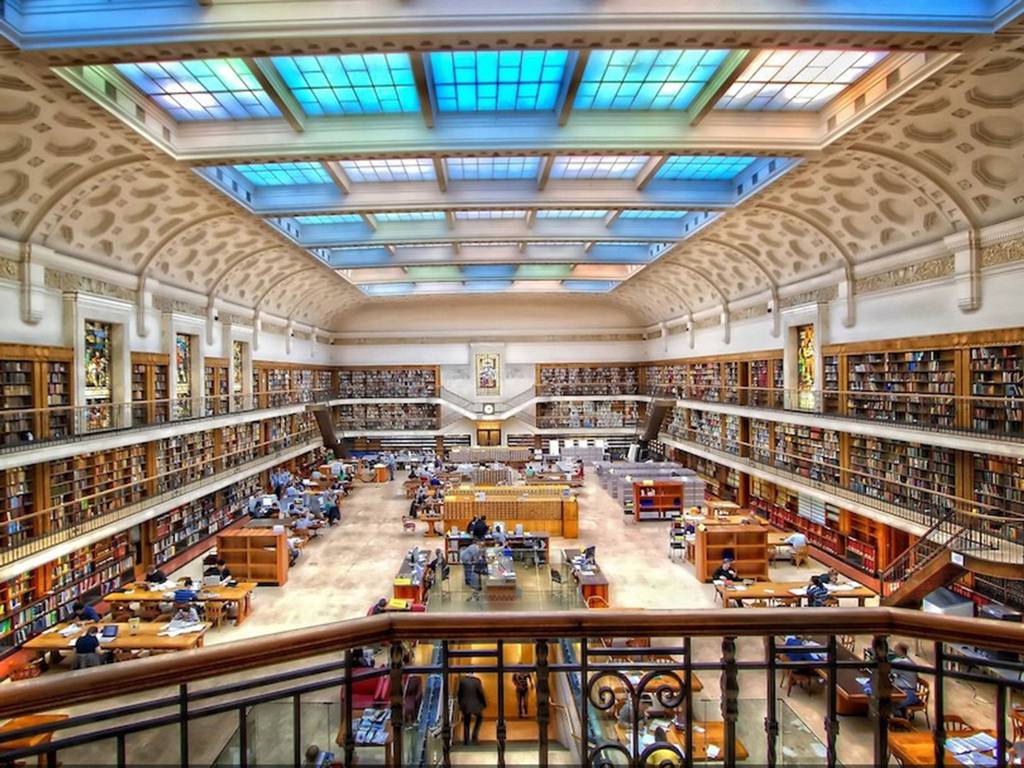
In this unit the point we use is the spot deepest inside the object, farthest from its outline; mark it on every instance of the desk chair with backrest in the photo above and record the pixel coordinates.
(557, 584)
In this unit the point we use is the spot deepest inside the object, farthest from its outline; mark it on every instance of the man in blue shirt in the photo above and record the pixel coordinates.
(87, 650)
(185, 593)
(85, 612)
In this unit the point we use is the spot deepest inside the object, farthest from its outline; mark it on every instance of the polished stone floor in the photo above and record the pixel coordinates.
(345, 570)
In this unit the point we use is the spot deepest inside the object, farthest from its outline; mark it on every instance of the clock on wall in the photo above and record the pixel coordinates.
(488, 409)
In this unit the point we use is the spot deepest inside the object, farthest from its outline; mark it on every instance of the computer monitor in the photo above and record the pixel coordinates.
(590, 553)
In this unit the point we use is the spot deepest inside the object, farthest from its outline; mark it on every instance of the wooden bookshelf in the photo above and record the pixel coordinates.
(255, 554)
(657, 499)
(584, 379)
(706, 381)
(662, 378)
(930, 373)
(16, 501)
(184, 459)
(324, 384)
(150, 388)
(732, 374)
(831, 378)
(589, 414)
(215, 381)
(706, 428)
(762, 439)
(808, 451)
(997, 372)
(878, 465)
(765, 376)
(175, 532)
(746, 544)
(678, 423)
(393, 381)
(278, 384)
(17, 400)
(731, 436)
(389, 416)
(998, 483)
(240, 443)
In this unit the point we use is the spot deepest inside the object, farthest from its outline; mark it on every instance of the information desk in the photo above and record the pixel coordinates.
(240, 595)
(146, 637)
(786, 592)
(708, 740)
(592, 582)
(410, 582)
(500, 583)
(525, 545)
(511, 491)
(918, 747)
(556, 515)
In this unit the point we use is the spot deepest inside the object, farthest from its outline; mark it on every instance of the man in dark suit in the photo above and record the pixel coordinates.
(472, 703)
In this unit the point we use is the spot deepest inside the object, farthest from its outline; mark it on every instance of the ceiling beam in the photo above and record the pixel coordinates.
(371, 220)
(575, 75)
(270, 81)
(531, 216)
(419, 74)
(545, 171)
(733, 66)
(338, 176)
(588, 246)
(449, 219)
(649, 171)
(442, 179)
(392, 250)
(612, 217)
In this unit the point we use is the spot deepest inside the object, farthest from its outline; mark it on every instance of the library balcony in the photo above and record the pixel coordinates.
(608, 688)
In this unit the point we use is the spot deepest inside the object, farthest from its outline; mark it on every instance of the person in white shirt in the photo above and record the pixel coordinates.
(796, 540)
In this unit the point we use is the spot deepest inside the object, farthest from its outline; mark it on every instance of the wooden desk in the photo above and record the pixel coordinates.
(618, 687)
(146, 638)
(27, 742)
(408, 586)
(850, 696)
(432, 521)
(591, 584)
(712, 733)
(781, 592)
(918, 747)
(241, 595)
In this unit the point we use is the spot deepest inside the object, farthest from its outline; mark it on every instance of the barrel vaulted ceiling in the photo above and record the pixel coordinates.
(670, 172)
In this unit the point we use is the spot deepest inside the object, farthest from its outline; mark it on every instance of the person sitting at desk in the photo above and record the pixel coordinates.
(332, 511)
(725, 572)
(318, 758)
(904, 680)
(87, 650)
(480, 528)
(664, 756)
(817, 593)
(185, 593)
(379, 607)
(185, 614)
(792, 641)
(85, 612)
(830, 577)
(796, 540)
(156, 576)
(303, 525)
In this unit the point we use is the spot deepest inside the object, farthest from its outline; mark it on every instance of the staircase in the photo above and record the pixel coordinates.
(925, 566)
(322, 414)
(656, 411)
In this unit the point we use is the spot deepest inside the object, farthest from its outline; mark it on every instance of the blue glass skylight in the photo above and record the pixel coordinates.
(409, 215)
(353, 84)
(645, 79)
(489, 168)
(491, 214)
(487, 286)
(387, 289)
(652, 213)
(281, 174)
(331, 218)
(490, 81)
(597, 166)
(485, 271)
(570, 213)
(207, 89)
(698, 168)
(390, 169)
(589, 286)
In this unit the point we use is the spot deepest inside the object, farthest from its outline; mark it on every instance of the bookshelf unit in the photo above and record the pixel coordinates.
(58, 383)
(178, 530)
(766, 382)
(998, 483)
(731, 433)
(184, 459)
(149, 388)
(240, 443)
(389, 416)
(657, 499)
(831, 384)
(397, 381)
(997, 372)
(746, 544)
(16, 395)
(923, 376)
(587, 380)
(706, 381)
(679, 423)
(323, 384)
(16, 500)
(664, 378)
(255, 554)
(589, 414)
(808, 451)
(731, 381)
(884, 469)
(707, 428)
(278, 386)
(215, 382)
(761, 438)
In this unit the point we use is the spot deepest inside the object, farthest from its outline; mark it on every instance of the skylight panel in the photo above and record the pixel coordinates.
(703, 168)
(797, 79)
(570, 213)
(207, 89)
(543, 271)
(589, 286)
(389, 169)
(485, 271)
(497, 81)
(597, 166)
(487, 286)
(489, 168)
(558, 243)
(645, 79)
(387, 289)
(386, 216)
(493, 214)
(331, 218)
(283, 174)
(443, 272)
(652, 213)
(353, 84)
(489, 243)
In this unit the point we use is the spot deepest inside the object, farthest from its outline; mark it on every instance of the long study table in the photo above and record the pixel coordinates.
(146, 637)
(918, 747)
(592, 582)
(240, 594)
(783, 592)
(708, 736)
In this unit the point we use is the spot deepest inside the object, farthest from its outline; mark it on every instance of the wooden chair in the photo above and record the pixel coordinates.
(849, 642)
(799, 556)
(1017, 722)
(924, 692)
(409, 524)
(900, 724)
(215, 612)
(955, 724)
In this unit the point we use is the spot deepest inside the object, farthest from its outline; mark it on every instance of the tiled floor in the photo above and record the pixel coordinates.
(344, 571)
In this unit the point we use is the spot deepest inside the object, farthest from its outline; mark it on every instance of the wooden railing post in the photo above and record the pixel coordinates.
(938, 696)
(881, 698)
(543, 691)
(730, 700)
(832, 715)
(771, 717)
(397, 691)
(446, 723)
(349, 740)
(500, 731)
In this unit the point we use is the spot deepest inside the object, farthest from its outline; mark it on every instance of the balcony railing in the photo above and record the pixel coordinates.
(585, 666)
(64, 424)
(948, 413)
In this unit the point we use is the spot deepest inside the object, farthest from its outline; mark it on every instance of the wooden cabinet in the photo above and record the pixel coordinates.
(657, 499)
(746, 544)
(255, 554)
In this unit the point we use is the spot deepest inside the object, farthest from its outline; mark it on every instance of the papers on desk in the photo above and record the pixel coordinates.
(840, 587)
(178, 628)
(798, 591)
(711, 751)
(69, 630)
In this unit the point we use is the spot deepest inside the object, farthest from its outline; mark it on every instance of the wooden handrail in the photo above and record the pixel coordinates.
(131, 677)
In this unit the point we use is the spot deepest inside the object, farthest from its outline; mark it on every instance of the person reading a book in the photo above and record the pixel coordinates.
(85, 612)
(725, 572)
(185, 593)
(87, 650)
(185, 614)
